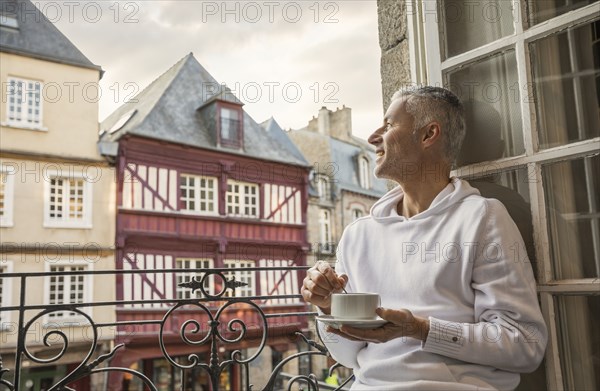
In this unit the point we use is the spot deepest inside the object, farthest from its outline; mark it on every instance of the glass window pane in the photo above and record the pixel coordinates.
(572, 191)
(512, 189)
(539, 11)
(578, 318)
(566, 70)
(470, 24)
(490, 91)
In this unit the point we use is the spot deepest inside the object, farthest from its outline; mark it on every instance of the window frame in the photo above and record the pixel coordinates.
(242, 196)
(197, 200)
(88, 284)
(6, 220)
(323, 185)
(431, 72)
(24, 123)
(188, 275)
(355, 211)
(86, 221)
(325, 232)
(364, 172)
(238, 274)
(6, 298)
(230, 143)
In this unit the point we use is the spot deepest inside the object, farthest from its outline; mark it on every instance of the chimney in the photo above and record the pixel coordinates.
(324, 121)
(341, 123)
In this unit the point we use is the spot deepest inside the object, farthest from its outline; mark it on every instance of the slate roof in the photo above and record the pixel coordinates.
(345, 155)
(36, 36)
(274, 130)
(167, 110)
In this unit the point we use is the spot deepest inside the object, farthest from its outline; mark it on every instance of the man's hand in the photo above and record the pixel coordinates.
(320, 282)
(401, 323)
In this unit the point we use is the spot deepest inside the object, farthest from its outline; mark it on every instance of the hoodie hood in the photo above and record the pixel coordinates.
(384, 210)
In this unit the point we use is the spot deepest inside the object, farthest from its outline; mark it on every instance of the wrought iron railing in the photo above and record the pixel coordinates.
(206, 323)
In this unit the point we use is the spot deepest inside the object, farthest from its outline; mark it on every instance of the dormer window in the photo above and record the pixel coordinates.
(323, 187)
(230, 126)
(364, 173)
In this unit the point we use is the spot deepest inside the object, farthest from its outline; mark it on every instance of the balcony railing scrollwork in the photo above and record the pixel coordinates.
(209, 321)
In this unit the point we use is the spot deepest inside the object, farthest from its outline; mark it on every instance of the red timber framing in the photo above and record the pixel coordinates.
(155, 230)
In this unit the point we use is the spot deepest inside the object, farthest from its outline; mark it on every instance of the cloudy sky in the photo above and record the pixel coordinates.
(283, 59)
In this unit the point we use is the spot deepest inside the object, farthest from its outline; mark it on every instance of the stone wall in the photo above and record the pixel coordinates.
(395, 65)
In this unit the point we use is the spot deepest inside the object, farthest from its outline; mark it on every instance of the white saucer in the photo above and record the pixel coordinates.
(358, 323)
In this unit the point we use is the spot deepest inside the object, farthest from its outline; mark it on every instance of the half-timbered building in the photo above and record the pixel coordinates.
(203, 188)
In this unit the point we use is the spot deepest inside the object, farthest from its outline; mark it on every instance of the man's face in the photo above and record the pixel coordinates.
(398, 153)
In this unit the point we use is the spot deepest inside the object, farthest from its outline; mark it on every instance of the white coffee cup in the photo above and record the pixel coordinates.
(354, 305)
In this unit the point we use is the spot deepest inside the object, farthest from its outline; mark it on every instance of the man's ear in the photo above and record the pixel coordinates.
(431, 133)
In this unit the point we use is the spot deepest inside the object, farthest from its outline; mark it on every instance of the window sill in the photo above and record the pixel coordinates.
(6, 224)
(14, 125)
(67, 225)
(70, 321)
(194, 213)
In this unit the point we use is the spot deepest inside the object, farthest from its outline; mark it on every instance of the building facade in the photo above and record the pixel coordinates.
(203, 192)
(342, 186)
(57, 211)
(529, 74)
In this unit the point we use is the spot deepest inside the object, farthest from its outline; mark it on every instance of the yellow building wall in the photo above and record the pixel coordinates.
(65, 145)
(30, 178)
(69, 108)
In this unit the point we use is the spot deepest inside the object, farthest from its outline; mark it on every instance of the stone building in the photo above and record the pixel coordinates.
(342, 185)
(528, 73)
(57, 214)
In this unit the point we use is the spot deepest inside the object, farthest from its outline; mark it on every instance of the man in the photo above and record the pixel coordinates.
(461, 306)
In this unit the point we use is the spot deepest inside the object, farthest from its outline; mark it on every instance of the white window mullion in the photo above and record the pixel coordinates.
(577, 88)
(479, 53)
(553, 367)
(572, 286)
(563, 152)
(430, 16)
(545, 274)
(539, 217)
(519, 14)
(528, 116)
(578, 16)
(416, 42)
(568, 151)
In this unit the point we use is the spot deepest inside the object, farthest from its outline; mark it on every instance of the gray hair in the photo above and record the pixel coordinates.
(427, 103)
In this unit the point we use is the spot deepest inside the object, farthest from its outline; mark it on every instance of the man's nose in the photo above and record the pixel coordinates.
(375, 138)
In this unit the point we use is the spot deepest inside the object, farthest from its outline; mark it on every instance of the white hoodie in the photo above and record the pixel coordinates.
(462, 264)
